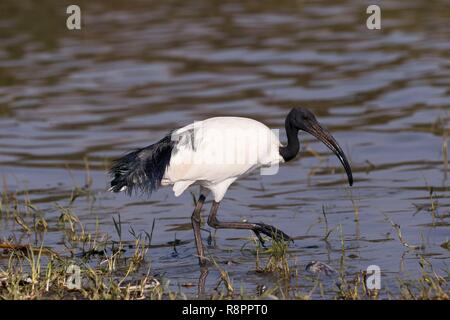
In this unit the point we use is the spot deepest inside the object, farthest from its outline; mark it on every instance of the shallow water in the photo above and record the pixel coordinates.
(137, 70)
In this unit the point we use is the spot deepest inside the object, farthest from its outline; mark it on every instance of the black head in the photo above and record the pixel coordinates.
(303, 119)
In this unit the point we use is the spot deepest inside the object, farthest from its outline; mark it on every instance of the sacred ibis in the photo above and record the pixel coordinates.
(212, 154)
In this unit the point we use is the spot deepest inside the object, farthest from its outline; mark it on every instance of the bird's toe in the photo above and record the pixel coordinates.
(260, 238)
(270, 231)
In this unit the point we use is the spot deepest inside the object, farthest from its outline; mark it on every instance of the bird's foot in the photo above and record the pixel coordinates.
(260, 238)
(270, 231)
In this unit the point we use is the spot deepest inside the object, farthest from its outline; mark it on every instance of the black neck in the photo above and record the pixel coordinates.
(290, 151)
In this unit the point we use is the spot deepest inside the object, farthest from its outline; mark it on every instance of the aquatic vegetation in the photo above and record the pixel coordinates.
(119, 266)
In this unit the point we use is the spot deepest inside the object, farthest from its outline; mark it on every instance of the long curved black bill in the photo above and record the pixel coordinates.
(325, 136)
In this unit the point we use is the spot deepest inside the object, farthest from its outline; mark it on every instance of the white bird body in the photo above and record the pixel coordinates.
(215, 152)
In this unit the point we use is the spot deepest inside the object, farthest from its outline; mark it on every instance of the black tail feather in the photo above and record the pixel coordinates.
(142, 169)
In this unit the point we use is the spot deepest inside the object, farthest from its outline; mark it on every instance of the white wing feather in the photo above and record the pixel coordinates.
(215, 152)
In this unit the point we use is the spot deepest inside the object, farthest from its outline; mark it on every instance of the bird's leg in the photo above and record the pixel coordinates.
(196, 219)
(257, 228)
(202, 281)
